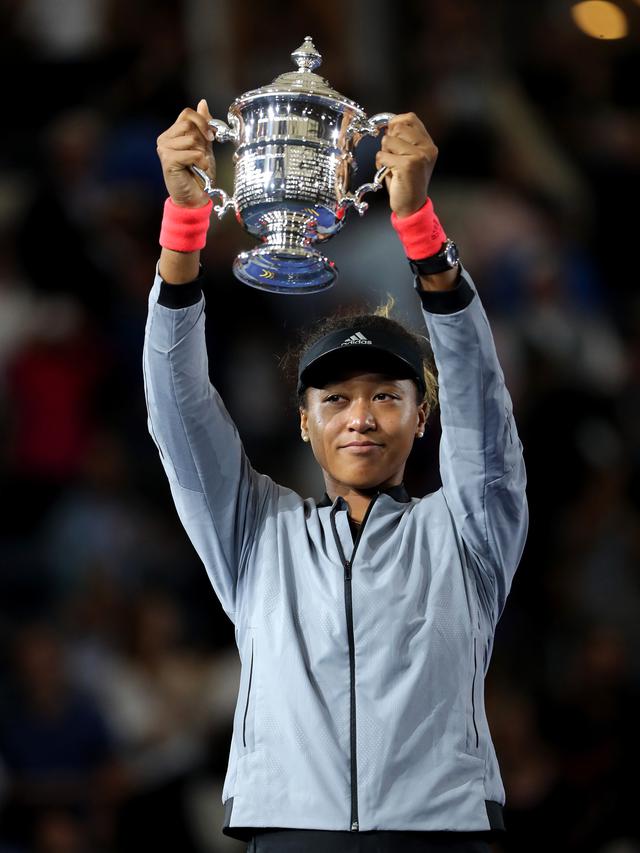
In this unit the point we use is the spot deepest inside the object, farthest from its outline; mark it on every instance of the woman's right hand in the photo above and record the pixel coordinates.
(187, 143)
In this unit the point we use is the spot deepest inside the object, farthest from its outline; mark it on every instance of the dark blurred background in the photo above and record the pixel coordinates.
(118, 669)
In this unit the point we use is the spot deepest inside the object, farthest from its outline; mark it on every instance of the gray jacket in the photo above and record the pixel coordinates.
(361, 699)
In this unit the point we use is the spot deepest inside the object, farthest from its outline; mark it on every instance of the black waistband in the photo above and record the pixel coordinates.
(380, 841)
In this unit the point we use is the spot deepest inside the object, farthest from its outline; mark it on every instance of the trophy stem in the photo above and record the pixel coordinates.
(287, 261)
(288, 229)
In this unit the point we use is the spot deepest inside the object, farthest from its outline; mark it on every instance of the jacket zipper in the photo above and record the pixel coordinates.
(348, 603)
(473, 693)
(246, 707)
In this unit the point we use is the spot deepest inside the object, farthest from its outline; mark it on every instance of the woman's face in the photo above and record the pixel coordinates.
(362, 427)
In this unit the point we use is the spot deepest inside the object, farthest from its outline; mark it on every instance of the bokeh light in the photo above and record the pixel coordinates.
(600, 19)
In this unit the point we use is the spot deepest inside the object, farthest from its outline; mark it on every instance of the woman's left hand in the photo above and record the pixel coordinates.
(410, 153)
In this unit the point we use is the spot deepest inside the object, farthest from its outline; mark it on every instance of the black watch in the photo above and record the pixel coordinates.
(446, 259)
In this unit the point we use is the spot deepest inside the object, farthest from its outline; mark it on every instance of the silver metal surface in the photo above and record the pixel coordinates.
(302, 80)
(354, 199)
(294, 159)
(306, 56)
(224, 133)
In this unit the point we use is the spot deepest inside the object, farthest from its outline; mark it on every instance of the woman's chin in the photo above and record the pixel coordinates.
(363, 480)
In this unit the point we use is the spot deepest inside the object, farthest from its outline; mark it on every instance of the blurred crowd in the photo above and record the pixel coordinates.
(118, 669)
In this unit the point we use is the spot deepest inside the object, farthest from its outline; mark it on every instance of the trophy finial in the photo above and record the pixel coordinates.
(306, 56)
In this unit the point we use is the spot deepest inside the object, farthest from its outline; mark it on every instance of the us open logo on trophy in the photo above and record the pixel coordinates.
(294, 158)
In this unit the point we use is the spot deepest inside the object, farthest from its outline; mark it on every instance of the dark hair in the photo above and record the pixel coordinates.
(370, 322)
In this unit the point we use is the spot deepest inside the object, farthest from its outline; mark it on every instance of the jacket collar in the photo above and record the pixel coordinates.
(398, 493)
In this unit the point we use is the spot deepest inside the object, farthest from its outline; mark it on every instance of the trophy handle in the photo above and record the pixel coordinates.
(224, 133)
(354, 199)
(369, 127)
(228, 202)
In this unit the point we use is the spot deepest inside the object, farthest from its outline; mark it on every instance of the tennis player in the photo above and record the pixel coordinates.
(364, 620)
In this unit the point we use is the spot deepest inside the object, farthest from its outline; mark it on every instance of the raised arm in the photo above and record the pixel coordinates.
(481, 459)
(219, 497)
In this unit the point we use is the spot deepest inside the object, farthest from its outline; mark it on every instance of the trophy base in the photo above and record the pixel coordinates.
(294, 270)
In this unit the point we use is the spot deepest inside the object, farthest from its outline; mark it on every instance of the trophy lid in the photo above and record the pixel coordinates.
(301, 82)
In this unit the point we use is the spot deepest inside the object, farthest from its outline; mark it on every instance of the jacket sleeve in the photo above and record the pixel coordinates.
(481, 457)
(218, 496)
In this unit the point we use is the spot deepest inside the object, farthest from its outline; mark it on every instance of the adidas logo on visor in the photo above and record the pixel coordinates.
(358, 338)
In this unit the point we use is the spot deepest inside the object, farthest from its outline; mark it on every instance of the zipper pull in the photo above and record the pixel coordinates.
(355, 826)
(347, 571)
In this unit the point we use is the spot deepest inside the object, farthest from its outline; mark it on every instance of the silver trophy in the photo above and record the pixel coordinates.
(294, 141)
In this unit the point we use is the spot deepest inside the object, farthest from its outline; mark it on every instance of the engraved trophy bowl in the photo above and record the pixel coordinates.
(294, 157)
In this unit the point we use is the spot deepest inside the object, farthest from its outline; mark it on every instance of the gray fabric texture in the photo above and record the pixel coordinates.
(429, 582)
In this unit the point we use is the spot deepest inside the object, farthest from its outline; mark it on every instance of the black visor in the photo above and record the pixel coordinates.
(379, 351)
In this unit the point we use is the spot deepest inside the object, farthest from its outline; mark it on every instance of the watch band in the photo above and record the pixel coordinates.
(446, 259)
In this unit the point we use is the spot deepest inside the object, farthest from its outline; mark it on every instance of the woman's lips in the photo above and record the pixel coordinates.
(362, 447)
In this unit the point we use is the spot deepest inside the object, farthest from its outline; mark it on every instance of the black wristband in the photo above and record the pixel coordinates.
(445, 301)
(181, 295)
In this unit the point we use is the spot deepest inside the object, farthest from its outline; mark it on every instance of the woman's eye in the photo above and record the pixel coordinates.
(332, 398)
(385, 394)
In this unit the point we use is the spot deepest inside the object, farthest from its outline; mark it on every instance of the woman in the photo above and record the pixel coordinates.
(364, 621)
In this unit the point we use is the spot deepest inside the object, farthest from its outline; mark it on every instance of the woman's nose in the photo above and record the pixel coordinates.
(361, 417)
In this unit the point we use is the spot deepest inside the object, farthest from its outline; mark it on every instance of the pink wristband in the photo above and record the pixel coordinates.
(184, 229)
(421, 233)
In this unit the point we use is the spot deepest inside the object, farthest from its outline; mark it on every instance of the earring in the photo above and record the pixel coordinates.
(420, 434)
(305, 437)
